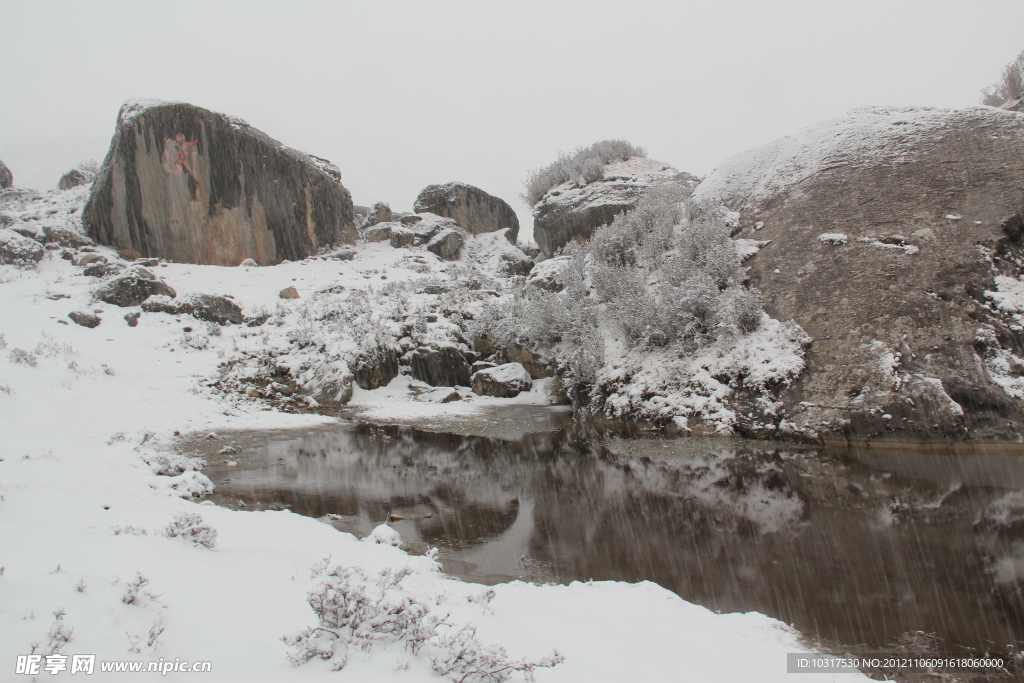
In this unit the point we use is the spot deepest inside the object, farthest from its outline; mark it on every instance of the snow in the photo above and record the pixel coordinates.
(622, 180)
(89, 418)
(747, 248)
(507, 373)
(660, 386)
(834, 238)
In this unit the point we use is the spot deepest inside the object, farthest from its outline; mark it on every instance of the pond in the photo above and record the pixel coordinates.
(850, 547)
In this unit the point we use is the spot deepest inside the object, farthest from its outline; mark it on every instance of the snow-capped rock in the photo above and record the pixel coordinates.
(471, 208)
(505, 381)
(888, 226)
(569, 211)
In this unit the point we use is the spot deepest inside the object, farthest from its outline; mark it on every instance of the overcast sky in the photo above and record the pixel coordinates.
(401, 95)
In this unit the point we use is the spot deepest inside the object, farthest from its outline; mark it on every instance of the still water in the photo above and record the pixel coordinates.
(855, 548)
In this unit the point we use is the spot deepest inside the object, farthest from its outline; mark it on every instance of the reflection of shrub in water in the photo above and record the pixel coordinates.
(1000, 537)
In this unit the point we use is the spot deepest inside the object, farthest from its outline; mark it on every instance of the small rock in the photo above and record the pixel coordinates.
(74, 178)
(232, 463)
(132, 318)
(248, 263)
(282, 388)
(252, 391)
(66, 238)
(86, 259)
(289, 293)
(227, 450)
(84, 319)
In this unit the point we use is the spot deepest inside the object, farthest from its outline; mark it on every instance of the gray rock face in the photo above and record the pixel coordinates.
(19, 250)
(74, 178)
(471, 208)
(569, 212)
(379, 213)
(214, 309)
(376, 369)
(189, 185)
(84, 319)
(420, 232)
(516, 263)
(379, 233)
(6, 177)
(66, 238)
(440, 367)
(910, 341)
(447, 244)
(504, 381)
(132, 288)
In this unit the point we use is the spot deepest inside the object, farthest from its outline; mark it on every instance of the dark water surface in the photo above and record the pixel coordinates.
(851, 547)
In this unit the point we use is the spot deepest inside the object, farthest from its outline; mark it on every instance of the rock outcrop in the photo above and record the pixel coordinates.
(504, 381)
(189, 185)
(375, 369)
(444, 366)
(379, 213)
(897, 241)
(84, 318)
(570, 211)
(74, 178)
(471, 208)
(6, 177)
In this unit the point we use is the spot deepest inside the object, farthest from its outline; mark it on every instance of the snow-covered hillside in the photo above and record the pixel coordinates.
(100, 555)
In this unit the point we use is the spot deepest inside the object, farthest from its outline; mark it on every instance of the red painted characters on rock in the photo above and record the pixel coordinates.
(179, 155)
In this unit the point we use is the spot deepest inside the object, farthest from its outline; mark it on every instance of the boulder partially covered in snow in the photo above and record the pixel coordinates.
(471, 208)
(891, 230)
(193, 186)
(74, 178)
(570, 211)
(440, 366)
(378, 213)
(132, 288)
(208, 307)
(505, 381)
(548, 274)
(19, 250)
(6, 177)
(447, 244)
(415, 233)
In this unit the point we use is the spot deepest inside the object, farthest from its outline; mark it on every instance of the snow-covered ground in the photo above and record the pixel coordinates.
(88, 418)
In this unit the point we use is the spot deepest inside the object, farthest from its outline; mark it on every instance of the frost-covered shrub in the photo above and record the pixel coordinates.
(648, 228)
(354, 611)
(23, 357)
(1009, 87)
(190, 526)
(583, 166)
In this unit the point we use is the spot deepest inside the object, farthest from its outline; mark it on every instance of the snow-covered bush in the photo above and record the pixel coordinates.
(354, 611)
(584, 165)
(1009, 87)
(190, 526)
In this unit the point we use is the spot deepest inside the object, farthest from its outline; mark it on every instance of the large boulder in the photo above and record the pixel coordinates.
(419, 232)
(132, 288)
(471, 208)
(895, 238)
(441, 366)
(572, 211)
(19, 250)
(74, 178)
(189, 185)
(504, 381)
(6, 177)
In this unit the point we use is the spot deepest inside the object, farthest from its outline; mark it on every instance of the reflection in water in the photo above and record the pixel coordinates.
(857, 548)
